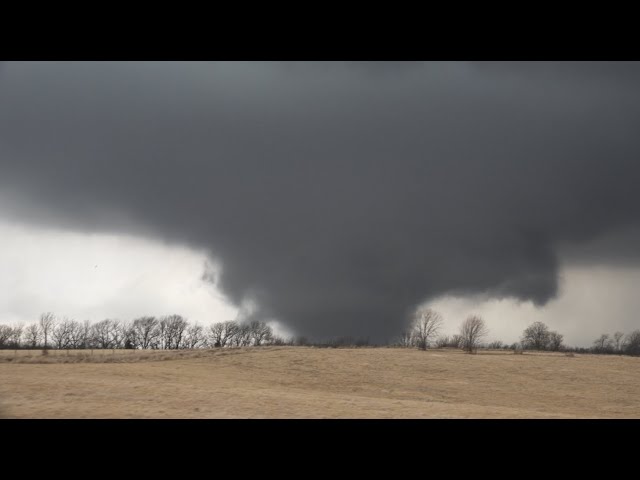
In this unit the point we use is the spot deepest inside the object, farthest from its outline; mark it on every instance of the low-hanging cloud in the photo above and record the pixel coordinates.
(336, 197)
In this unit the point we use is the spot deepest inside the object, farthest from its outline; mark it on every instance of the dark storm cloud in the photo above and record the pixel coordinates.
(336, 196)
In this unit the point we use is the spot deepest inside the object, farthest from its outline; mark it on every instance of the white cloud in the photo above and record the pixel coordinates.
(96, 276)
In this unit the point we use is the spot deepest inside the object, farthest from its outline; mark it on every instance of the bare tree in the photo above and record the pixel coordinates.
(76, 335)
(179, 326)
(116, 334)
(632, 343)
(102, 333)
(161, 337)
(62, 334)
(617, 340)
(5, 335)
(427, 323)
(145, 332)
(472, 330)
(555, 341)
(10, 336)
(87, 339)
(242, 338)
(172, 329)
(47, 323)
(128, 335)
(260, 333)
(603, 344)
(194, 337)
(536, 337)
(221, 334)
(449, 342)
(16, 335)
(32, 335)
(281, 341)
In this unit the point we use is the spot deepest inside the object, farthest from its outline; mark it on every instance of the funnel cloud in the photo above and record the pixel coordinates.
(336, 197)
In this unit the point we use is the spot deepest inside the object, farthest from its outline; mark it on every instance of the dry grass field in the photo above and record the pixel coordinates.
(299, 382)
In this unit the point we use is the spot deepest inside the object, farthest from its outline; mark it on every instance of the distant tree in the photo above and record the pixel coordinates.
(145, 332)
(536, 337)
(102, 333)
(15, 339)
(242, 338)
(426, 325)
(161, 337)
(280, 341)
(617, 341)
(5, 335)
(261, 333)
(118, 333)
(495, 345)
(603, 344)
(194, 337)
(472, 330)
(221, 334)
(442, 341)
(448, 341)
(172, 328)
(76, 335)
(125, 335)
(631, 344)
(47, 323)
(129, 341)
(555, 341)
(61, 334)
(32, 335)
(87, 340)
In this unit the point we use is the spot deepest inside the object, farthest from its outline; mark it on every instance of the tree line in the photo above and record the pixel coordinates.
(170, 332)
(538, 337)
(174, 332)
(426, 324)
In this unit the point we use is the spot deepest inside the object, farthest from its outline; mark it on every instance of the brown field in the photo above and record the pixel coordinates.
(299, 382)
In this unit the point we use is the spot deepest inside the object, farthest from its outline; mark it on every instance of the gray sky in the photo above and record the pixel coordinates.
(334, 197)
